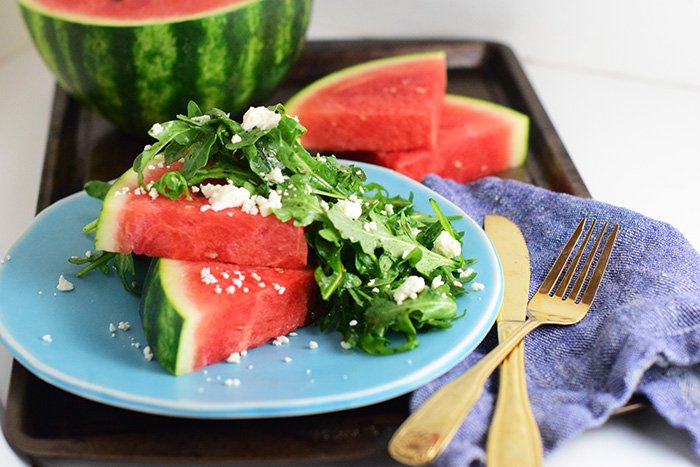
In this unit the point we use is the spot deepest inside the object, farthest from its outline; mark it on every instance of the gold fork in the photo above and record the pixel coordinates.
(426, 432)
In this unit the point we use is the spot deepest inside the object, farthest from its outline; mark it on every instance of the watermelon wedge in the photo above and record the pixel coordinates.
(476, 138)
(140, 221)
(198, 313)
(389, 104)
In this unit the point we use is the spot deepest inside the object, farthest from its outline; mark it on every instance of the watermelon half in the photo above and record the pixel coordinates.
(386, 104)
(476, 138)
(140, 62)
(198, 313)
(139, 221)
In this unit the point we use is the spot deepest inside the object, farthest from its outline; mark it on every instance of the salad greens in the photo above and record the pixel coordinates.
(365, 243)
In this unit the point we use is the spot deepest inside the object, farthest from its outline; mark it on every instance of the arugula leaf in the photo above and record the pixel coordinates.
(123, 264)
(97, 189)
(376, 232)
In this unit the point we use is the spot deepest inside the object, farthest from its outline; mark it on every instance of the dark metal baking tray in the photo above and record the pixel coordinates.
(52, 427)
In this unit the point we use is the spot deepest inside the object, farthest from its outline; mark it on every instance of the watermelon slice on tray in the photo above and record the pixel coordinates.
(389, 104)
(196, 313)
(476, 138)
(463, 138)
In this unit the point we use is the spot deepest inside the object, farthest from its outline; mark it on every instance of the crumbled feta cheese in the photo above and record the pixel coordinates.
(147, 353)
(437, 282)
(232, 382)
(47, 338)
(225, 196)
(207, 276)
(446, 245)
(201, 119)
(389, 208)
(280, 340)
(64, 285)
(235, 357)
(476, 286)
(266, 205)
(353, 322)
(465, 273)
(345, 345)
(351, 208)
(275, 175)
(287, 359)
(409, 289)
(112, 327)
(124, 325)
(236, 139)
(370, 226)
(250, 207)
(260, 117)
(157, 129)
(457, 283)
(324, 205)
(313, 345)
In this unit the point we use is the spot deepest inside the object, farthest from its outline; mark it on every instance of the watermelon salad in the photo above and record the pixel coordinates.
(400, 116)
(380, 270)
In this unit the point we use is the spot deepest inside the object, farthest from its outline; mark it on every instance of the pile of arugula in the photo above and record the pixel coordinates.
(357, 268)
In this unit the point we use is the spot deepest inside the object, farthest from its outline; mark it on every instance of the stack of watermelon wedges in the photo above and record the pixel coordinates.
(222, 280)
(395, 112)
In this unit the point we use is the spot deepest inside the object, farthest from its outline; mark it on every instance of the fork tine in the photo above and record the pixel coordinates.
(566, 280)
(587, 265)
(563, 257)
(593, 284)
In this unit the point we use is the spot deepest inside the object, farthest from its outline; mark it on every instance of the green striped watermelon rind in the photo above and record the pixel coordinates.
(138, 74)
(169, 325)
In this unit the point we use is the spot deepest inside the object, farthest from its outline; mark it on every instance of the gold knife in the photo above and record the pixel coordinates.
(514, 438)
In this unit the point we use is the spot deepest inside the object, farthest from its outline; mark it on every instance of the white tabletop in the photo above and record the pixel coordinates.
(624, 105)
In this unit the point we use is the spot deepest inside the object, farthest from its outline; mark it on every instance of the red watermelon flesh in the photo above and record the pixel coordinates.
(476, 138)
(133, 221)
(135, 9)
(215, 309)
(387, 104)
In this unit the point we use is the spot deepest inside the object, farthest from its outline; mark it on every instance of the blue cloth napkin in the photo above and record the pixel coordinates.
(641, 336)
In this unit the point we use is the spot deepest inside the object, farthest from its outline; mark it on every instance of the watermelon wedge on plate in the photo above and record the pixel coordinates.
(476, 138)
(133, 219)
(198, 313)
(139, 62)
(386, 104)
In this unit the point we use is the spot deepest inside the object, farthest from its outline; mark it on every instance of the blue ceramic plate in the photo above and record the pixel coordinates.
(83, 357)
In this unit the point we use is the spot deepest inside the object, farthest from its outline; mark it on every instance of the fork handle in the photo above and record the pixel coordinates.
(514, 437)
(426, 432)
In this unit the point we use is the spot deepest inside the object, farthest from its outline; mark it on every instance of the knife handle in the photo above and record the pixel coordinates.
(514, 437)
(428, 430)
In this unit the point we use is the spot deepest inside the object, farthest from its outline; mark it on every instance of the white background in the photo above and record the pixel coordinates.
(620, 80)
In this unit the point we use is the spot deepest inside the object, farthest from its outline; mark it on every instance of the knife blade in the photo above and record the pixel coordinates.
(514, 438)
